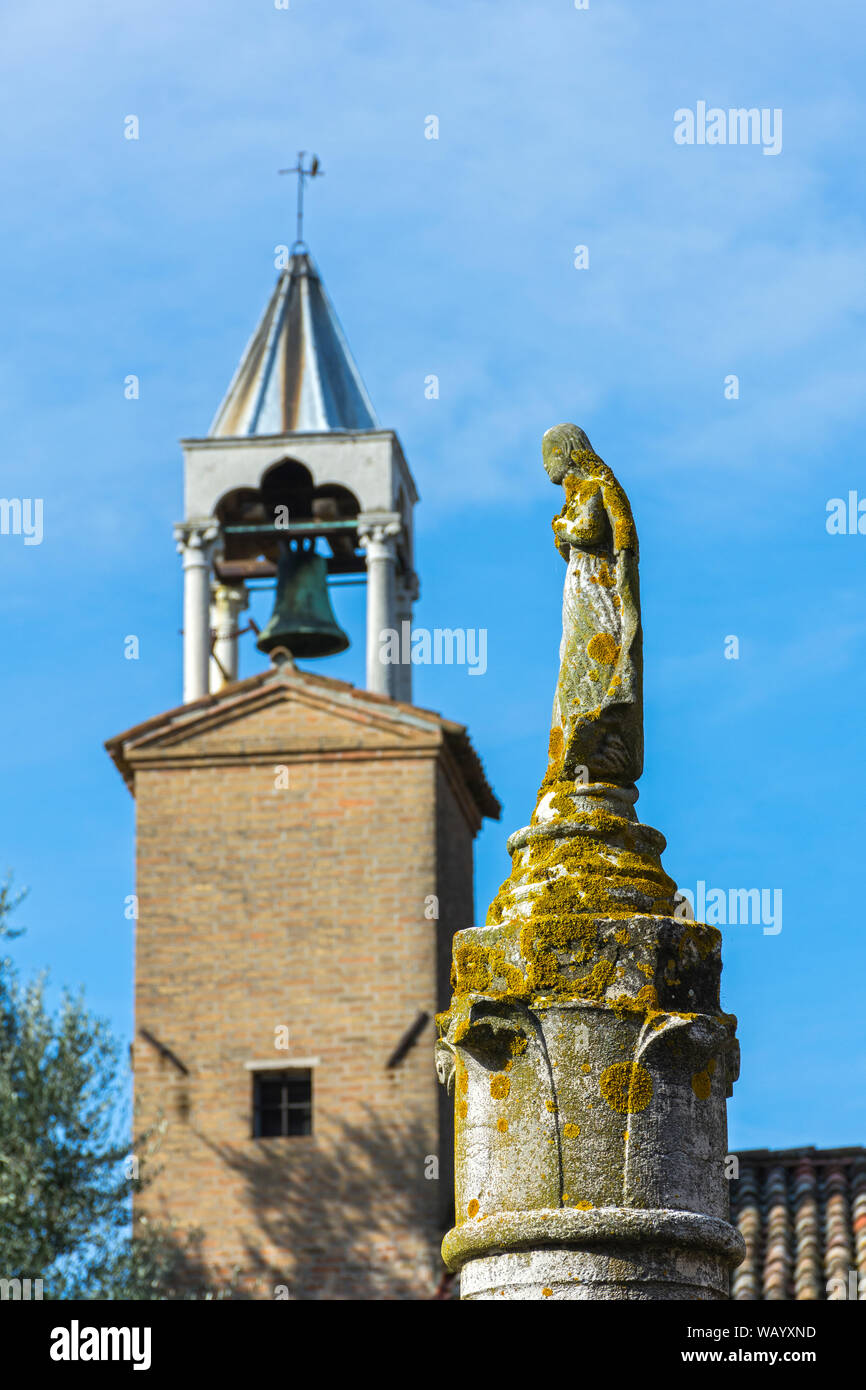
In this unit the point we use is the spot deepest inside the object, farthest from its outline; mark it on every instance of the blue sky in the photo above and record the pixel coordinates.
(455, 257)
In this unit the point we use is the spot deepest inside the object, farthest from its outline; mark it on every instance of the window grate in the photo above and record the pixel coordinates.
(282, 1104)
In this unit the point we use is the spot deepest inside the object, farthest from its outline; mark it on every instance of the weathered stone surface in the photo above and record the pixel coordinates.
(603, 1254)
(598, 708)
(585, 1044)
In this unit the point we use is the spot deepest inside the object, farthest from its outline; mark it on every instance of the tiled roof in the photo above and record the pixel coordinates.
(802, 1214)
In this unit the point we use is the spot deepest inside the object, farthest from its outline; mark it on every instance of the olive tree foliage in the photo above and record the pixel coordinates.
(65, 1160)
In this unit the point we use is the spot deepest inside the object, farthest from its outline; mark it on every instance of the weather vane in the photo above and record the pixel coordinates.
(312, 172)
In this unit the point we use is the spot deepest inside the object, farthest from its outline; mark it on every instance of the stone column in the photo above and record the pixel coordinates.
(228, 601)
(378, 539)
(585, 1043)
(196, 542)
(406, 593)
(590, 1061)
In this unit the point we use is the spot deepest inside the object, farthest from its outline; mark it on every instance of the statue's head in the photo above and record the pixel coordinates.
(565, 449)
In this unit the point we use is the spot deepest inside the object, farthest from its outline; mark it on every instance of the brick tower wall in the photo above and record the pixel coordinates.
(300, 907)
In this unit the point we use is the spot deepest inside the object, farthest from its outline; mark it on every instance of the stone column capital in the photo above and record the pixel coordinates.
(197, 541)
(231, 599)
(377, 535)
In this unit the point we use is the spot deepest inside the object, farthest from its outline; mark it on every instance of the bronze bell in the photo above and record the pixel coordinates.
(303, 620)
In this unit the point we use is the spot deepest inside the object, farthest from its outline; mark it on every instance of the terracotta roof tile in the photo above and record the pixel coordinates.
(802, 1214)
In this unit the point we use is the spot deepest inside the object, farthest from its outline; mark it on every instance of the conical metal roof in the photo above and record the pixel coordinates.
(297, 374)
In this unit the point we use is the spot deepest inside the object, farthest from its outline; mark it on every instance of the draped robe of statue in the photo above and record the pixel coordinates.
(597, 725)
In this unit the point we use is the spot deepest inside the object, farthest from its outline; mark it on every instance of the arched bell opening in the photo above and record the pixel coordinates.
(236, 511)
(302, 534)
(286, 490)
(287, 483)
(286, 506)
(336, 504)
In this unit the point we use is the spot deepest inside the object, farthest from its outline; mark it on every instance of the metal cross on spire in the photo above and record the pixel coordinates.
(313, 172)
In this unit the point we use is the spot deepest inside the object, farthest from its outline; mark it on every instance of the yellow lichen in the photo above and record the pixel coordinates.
(604, 577)
(578, 491)
(702, 1081)
(626, 1086)
(702, 1085)
(602, 648)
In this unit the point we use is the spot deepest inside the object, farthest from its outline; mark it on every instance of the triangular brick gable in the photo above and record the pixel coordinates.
(290, 713)
(289, 718)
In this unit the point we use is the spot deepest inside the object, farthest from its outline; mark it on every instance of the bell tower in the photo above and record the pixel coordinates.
(304, 853)
(295, 480)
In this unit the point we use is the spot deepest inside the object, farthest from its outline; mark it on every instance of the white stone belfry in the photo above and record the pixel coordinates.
(296, 434)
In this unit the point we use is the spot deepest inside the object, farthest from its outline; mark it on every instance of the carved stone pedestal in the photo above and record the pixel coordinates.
(589, 1061)
(611, 1253)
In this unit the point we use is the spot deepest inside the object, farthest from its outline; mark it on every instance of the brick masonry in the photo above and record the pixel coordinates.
(264, 907)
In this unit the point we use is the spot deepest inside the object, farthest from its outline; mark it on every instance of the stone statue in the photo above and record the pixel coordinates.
(597, 728)
(585, 1045)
